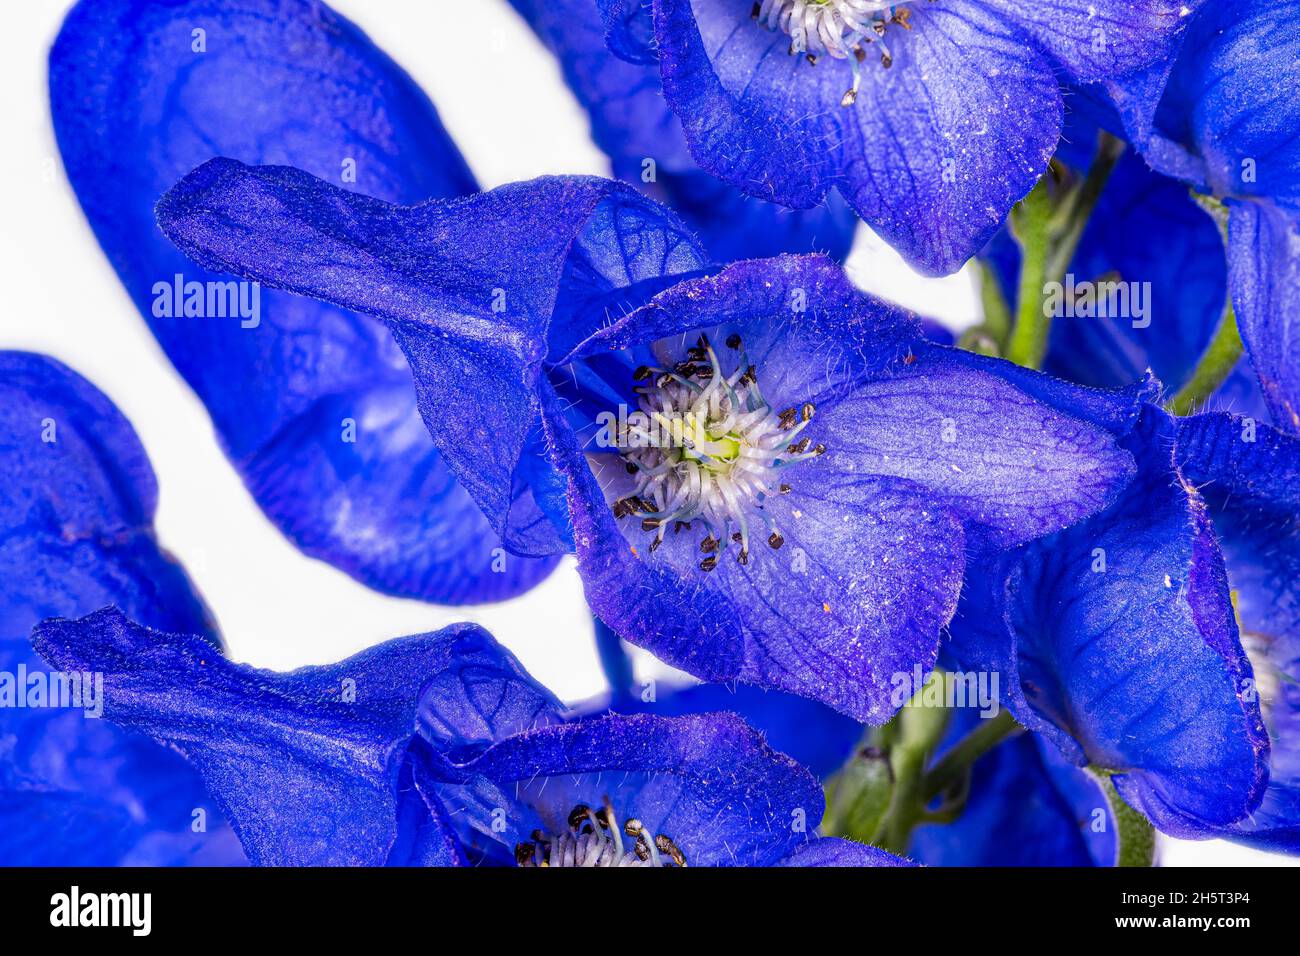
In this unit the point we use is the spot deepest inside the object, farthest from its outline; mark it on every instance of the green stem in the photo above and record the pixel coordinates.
(1048, 240)
(989, 337)
(1216, 364)
(948, 772)
(1135, 838)
(1031, 221)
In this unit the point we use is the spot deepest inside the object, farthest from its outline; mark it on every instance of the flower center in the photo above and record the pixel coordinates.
(840, 28)
(706, 446)
(594, 838)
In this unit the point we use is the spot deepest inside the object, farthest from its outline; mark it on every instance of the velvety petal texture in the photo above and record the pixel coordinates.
(1227, 117)
(814, 735)
(77, 505)
(474, 324)
(313, 404)
(643, 138)
(1116, 640)
(1264, 273)
(306, 764)
(924, 446)
(708, 782)
(837, 852)
(1250, 477)
(437, 749)
(947, 121)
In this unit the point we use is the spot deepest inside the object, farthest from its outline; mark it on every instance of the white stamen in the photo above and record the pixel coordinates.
(596, 840)
(711, 454)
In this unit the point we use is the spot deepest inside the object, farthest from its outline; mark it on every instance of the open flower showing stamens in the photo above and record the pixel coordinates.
(931, 118)
(447, 753)
(766, 475)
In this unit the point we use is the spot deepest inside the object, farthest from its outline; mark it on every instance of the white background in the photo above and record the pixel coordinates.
(501, 96)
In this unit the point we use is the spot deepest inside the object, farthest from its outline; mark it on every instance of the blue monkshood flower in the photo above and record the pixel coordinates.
(313, 404)
(769, 475)
(1116, 640)
(1249, 475)
(439, 749)
(931, 118)
(1221, 114)
(632, 123)
(77, 502)
(1025, 805)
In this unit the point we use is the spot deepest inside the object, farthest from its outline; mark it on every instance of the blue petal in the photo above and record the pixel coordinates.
(873, 527)
(77, 502)
(310, 765)
(933, 154)
(471, 290)
(834, 851)
(1264, 273)
(1229, 106)
(1100, 39)
(1136, 668)
(979, 446)
(813, 734)
(140, 95)
(632, 123)
(1250, 476)
(628, 28)
(709, 782)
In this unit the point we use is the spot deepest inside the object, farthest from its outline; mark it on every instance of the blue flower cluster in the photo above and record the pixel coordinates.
(1016, 599)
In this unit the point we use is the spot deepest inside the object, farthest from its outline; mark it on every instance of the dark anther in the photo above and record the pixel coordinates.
(624, 507)
(859, 54)
(750, 377)
(680, 526)
(642, 849)
(602, 817)
(642, 373)
(703, 342)
(886, 60)
(743, 556)
(755, 10)
(654, 545)
(737, 537)
(697, 354)
(799, 447)
(709, 544)
(650, 524)
(630, 468)
(820, 449)
(785, 489)
(806, 413)
(733, 340)
(670, 849)
(686, 369)
(578, 816)
(633, 827)
(524, 852)
(786, 419)
(709, 563)
(775, 540)
(812, 60)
